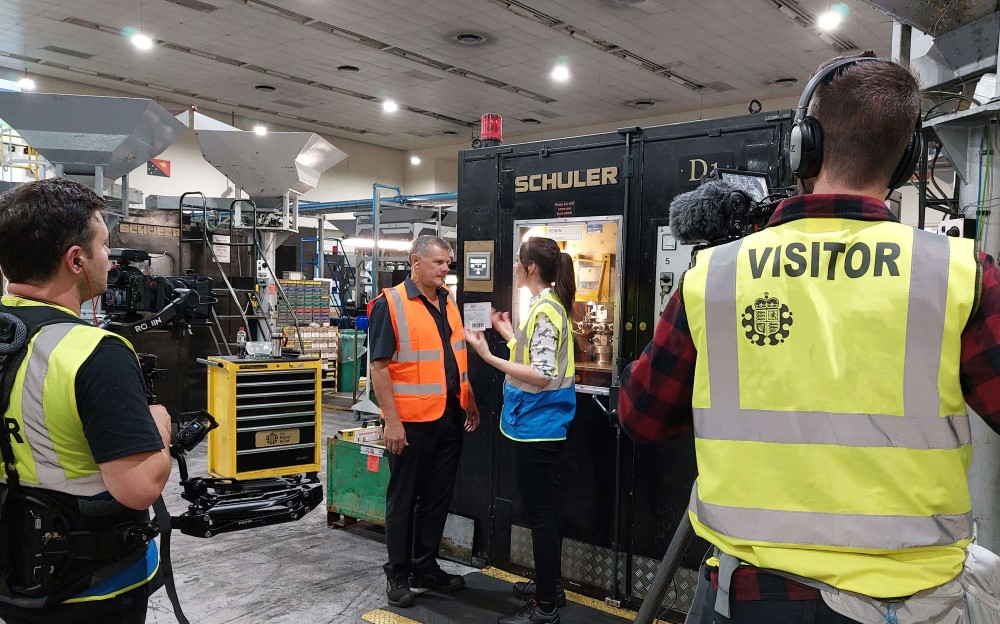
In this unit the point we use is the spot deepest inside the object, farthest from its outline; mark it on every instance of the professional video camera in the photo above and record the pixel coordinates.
(174, 302)
(727, 206)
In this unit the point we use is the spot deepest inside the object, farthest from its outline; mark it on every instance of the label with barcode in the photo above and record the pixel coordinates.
(477, 316)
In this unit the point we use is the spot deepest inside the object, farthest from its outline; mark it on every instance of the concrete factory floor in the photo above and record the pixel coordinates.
(301, 572)
(306, 573)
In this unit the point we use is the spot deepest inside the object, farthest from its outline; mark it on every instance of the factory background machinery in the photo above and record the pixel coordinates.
(605, 198)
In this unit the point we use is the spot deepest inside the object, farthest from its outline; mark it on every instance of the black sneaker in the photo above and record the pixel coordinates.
(525, 590)
(438, 580)
(397, 589)
(531, 613)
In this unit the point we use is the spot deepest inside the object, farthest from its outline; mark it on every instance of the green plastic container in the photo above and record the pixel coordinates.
(356, 480)
(349, 360)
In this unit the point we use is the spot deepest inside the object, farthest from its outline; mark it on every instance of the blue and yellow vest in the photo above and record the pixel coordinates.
(831, 432)
(531, 414)
(53, 453)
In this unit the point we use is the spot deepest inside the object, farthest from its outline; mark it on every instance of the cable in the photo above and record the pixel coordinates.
(949, 100)
(943, 196)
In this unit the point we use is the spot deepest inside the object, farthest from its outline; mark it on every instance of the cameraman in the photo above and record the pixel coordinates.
(824, 365)
(78, 421)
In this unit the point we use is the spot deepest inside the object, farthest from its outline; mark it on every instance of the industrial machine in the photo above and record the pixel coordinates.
(605, 199)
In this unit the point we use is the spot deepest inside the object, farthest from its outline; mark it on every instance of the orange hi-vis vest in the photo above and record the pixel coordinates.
(417, 369)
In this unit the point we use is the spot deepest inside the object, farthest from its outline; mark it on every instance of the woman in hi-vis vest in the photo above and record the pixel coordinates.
(539, 403)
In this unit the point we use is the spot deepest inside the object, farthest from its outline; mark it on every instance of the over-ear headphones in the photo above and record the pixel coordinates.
(805, 145)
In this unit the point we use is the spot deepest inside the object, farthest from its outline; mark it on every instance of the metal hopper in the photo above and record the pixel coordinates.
(87, 134)
(266, 167)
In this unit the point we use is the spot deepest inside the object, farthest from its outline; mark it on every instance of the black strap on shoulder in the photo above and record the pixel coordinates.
(17, 327)
(163, 521)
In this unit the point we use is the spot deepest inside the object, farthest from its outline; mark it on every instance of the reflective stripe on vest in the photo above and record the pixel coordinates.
(418, 376)
(56, 455)
(893, 441)
(565, 375)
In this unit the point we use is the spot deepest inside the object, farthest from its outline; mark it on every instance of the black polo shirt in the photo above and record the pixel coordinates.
(382, 336)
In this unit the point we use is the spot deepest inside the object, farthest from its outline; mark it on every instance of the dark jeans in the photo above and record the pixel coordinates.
(535, 473)
(421, 482)
(129, 608)
(781, 612)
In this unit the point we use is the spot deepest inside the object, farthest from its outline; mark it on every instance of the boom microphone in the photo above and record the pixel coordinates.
(702, 215)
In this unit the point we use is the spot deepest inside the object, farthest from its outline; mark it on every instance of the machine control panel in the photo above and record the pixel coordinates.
(478, 266)
(672, 259)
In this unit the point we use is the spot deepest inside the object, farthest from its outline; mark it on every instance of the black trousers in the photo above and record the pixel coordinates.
(535, 473)
(129, 608)
(417, 499)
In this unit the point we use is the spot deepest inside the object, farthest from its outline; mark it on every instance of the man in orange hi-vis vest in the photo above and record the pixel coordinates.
(421, 380)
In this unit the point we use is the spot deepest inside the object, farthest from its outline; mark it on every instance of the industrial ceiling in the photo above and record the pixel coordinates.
(327, 65)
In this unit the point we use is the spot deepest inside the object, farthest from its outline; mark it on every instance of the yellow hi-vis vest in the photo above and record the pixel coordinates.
(530, 413)
(831, 433)
(53, 452)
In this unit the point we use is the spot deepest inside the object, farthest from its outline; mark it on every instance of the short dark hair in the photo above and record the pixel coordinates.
(39, 221)
(868, 112)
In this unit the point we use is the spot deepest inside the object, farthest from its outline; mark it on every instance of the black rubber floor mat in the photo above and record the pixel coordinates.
(484, 599)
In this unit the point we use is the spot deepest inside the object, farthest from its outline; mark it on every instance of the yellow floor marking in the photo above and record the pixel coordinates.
(339, 408)
(380, 616)
(586, 601)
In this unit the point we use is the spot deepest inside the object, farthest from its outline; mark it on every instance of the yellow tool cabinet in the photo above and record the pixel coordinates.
(269, 414)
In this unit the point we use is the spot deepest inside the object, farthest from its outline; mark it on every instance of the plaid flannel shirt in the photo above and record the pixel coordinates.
(655, 399)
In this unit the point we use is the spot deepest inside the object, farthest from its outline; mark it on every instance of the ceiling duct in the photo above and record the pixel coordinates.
(84, 132)
(936, 17)
(268, 166)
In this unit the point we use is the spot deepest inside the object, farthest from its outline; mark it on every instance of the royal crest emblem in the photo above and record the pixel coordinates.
(767, 319)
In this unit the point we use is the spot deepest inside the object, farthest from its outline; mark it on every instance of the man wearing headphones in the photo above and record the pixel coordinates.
(824, 365)
(86, 448)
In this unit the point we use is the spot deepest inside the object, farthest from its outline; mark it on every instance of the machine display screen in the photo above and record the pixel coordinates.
(477, 266)
(754, 184)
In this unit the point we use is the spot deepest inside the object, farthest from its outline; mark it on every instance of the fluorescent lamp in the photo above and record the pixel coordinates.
(383, 243)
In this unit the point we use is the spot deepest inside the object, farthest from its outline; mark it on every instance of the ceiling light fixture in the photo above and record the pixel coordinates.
(829, 20)
(530, 120)
(26, 84)
(260, 130)
(781, 82)
(414, 160)
(560, 73)
(141, 41)
(470, 39)
(383, 243)
(264, 87)
(832, 18)
(641, 103)
(348, 68)
(390, 106)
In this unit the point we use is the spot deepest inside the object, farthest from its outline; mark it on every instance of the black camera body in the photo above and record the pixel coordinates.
(131, 291)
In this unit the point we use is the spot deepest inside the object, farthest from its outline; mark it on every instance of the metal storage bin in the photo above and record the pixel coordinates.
(269, 414)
